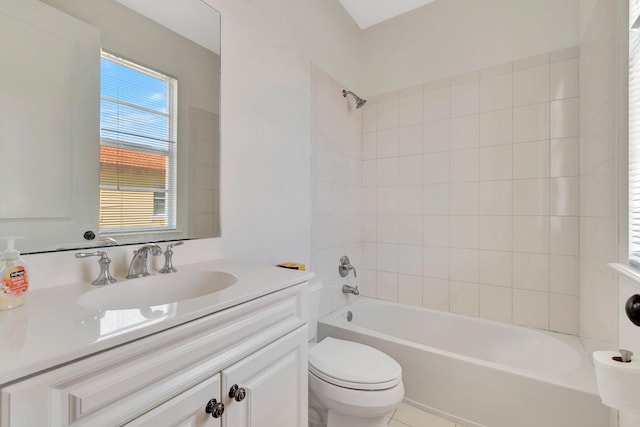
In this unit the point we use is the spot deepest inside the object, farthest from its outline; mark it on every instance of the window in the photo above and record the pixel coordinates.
(138, 147)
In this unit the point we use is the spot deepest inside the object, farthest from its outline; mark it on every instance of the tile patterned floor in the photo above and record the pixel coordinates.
(409, 416)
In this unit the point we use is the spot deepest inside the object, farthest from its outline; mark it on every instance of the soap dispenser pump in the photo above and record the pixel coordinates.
(14, 280)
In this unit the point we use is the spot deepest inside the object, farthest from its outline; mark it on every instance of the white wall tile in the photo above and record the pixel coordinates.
(531, 271)
(436, 167)
(436, 199)
(387, 143)
(464, 198)
(531, 308)
(531, 160)
(531, 197)
(564, 313)
(495, 303)
(410, 108)
(496, 162)
(565, 118)
(370, 117)
(465, 98)
(565, 196)
(369, 145)
(465, 165)
(410, 289)
(564, 274)
(531, 234)
(464, 232)
(387, 228)
(564, 157)
(436, 231)
(436, 136)
(564, 235)
(410, 200)
(368, 285)
(387, 172)
(496, 233)
(496, 267)
(465, 132)
(410, 260)
(369, 255)
(369, 201)
(410, 140)
(531, 85)
(369, 173)
(387, 200)
(410, 230)
(369, 228)
(464, 265)
(531, 122)
(464, 298)
(410, 171)
(564, 79)
(387, 257)
(534, 61)
(387, 114)
(496, 198)
(496, 127)
(435, 293)
(496, 92)
(387, 286)
(435, 262)
(436, 104)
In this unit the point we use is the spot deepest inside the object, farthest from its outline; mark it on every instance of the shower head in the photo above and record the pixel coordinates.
(359, 101)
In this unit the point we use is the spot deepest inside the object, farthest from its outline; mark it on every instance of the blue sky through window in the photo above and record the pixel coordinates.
(147, 126)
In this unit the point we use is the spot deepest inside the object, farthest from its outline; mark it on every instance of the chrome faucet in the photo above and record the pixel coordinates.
(138, 266)
(346, 289)
(168, 260)
(105, 277)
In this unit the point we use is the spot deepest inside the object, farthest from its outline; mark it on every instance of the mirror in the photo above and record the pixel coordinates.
(109, 122)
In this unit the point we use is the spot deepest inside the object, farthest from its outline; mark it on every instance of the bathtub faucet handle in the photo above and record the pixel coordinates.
(345, 266)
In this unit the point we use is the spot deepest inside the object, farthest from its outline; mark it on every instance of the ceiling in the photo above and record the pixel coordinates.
(371, 12)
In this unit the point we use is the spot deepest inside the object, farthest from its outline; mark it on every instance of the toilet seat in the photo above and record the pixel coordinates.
(354, 366)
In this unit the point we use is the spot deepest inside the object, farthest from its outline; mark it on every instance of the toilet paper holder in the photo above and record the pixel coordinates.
(632, 307)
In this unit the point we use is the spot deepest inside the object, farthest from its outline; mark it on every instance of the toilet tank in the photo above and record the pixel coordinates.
(315, 295)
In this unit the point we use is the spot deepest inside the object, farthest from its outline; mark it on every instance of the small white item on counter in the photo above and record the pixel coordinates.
(14, 280)
(618, 378)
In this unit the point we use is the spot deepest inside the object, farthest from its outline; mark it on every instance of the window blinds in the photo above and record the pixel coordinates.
(138, 147)
(634, 138)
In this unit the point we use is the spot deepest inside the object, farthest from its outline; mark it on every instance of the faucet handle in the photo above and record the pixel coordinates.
(104, 277)
(345, 266)
(168, 258)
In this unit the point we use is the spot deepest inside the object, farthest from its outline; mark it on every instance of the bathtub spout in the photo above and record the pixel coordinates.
(346, 289)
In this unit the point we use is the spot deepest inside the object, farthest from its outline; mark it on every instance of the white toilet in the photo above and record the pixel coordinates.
(350, 384)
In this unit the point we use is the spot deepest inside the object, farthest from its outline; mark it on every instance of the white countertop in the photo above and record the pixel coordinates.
(51, 329)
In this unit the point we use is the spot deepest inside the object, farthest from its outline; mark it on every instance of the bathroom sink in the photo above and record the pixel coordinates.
(156, 290)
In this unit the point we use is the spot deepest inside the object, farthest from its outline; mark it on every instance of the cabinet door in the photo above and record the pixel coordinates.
(49, 121)
(275, 381)
(186, 409)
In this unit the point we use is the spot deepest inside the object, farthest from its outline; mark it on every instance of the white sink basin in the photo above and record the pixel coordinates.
(156, 290)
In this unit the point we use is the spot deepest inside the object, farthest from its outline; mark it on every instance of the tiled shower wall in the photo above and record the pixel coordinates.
(335, 185)
(470, 198)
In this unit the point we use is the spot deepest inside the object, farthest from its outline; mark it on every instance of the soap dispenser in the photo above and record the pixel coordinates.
(13, 276)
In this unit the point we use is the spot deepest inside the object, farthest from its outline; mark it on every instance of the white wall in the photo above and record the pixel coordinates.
(267, 50)
(599, 104)
(452, 37)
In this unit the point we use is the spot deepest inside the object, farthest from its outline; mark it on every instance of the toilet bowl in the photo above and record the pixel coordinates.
(351, 384)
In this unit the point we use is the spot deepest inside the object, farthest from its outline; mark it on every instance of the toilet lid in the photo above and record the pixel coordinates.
(353, 365)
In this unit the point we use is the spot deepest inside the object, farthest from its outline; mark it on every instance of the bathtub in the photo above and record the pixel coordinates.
(478, 372)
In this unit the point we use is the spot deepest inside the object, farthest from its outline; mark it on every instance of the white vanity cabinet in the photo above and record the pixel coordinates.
(168, 378)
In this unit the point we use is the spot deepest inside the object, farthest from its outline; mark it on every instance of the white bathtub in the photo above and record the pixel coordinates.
(478, 372)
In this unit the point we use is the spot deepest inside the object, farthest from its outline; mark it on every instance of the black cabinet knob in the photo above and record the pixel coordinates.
(215, 408)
